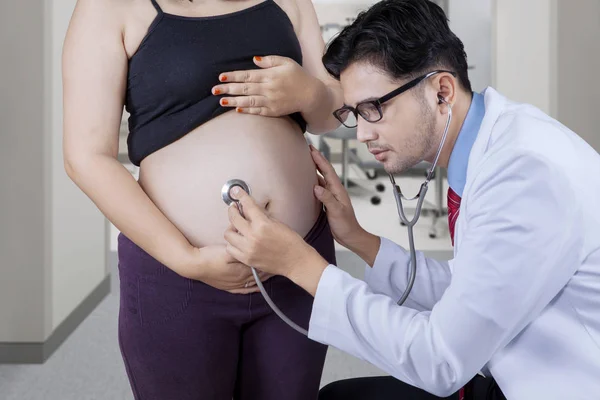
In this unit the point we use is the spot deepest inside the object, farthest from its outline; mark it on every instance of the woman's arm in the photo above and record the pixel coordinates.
(94, 79)
(326, 91)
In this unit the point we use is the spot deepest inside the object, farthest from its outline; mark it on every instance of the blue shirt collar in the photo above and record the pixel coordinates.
(459, 158)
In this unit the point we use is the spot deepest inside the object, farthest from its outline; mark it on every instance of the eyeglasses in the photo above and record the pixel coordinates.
(370, 110)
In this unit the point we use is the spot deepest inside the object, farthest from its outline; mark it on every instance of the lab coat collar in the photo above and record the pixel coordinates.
(495, 104)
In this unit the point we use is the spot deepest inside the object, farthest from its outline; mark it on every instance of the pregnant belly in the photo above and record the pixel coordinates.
(271, 155)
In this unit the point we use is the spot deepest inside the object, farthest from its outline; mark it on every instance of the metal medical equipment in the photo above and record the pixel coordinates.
(421, 197)
(228, 199)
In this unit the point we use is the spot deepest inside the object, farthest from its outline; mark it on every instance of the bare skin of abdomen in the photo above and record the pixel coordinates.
(271, 155)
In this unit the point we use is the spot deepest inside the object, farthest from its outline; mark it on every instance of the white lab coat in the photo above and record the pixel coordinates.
(521, 297)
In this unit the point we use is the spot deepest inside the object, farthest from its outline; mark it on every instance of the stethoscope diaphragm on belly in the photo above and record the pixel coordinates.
(226, 190)
(228, 199)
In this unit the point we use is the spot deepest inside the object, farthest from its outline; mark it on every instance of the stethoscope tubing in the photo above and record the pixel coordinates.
(225, 192)
(420, 199)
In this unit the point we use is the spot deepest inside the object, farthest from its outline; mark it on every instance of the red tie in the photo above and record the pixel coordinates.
(453, 207)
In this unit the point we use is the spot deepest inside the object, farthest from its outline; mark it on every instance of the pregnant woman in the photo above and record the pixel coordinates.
(216, 90)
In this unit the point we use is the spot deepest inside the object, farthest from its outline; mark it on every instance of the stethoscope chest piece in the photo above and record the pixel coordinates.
(226, 196)
(226, 190)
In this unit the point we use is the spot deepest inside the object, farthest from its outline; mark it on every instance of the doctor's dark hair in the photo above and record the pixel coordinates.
(404, 38)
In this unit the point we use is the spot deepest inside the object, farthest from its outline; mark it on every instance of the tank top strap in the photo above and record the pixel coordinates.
(155, 4)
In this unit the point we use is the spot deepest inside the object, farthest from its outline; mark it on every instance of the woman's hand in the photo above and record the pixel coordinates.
(281, 87)
(215, 267)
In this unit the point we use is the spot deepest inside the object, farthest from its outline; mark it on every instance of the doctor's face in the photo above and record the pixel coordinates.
(406, 133)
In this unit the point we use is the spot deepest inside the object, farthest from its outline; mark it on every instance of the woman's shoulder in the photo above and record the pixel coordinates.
(292, 9)
(111, 13)
(123, 22)
(114, 7)
(119, 12)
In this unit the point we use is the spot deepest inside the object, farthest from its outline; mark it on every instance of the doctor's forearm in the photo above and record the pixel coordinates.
(307, 270)
(366, 246)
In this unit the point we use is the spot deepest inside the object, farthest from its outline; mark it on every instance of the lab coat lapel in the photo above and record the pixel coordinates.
(495, 104)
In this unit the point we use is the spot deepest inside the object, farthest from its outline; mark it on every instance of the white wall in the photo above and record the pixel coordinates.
(78, 228)
(338, 12)
(578, 88)
(52, 238)
(23, 290)
(546, 54)
(524, 57)
(471, 21)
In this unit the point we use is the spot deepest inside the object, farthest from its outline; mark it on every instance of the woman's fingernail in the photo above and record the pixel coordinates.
(318, 190)
(235, 191)
(258, 58)
(312, 148)
(224, 102)
(240, 110)
(223, 78)
(217, 91)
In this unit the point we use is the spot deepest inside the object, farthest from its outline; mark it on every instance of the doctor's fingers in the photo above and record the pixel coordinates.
(236, 219)
(233, 240)
(331, 203)
(321, 181)
(331, 178)
(252, 212)
(236, 240)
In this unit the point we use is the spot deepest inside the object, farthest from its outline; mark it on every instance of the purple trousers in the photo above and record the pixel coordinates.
(184, 340)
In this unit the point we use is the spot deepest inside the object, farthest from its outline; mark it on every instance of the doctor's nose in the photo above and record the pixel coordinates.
(365, 132)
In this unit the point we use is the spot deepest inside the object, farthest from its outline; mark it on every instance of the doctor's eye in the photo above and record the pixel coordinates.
(369, 111)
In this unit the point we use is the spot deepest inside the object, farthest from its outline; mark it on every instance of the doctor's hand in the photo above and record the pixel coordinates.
(340, 213)
(267, 244)
(332, 193)
(281, 87)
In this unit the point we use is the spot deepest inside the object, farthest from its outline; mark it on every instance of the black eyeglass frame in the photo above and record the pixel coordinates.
(380, 101)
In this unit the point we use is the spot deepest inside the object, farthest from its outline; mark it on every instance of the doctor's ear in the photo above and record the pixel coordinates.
(441, 99)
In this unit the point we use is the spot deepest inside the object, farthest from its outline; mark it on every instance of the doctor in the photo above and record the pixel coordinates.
(520, 300)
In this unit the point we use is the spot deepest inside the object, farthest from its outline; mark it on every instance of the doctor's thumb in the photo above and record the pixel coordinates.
(325, 197)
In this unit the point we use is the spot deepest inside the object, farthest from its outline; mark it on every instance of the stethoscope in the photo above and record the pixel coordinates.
(226, 196)
(228, 199)
(421, 197)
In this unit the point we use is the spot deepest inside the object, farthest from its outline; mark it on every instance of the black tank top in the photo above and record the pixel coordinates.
(179, 61)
